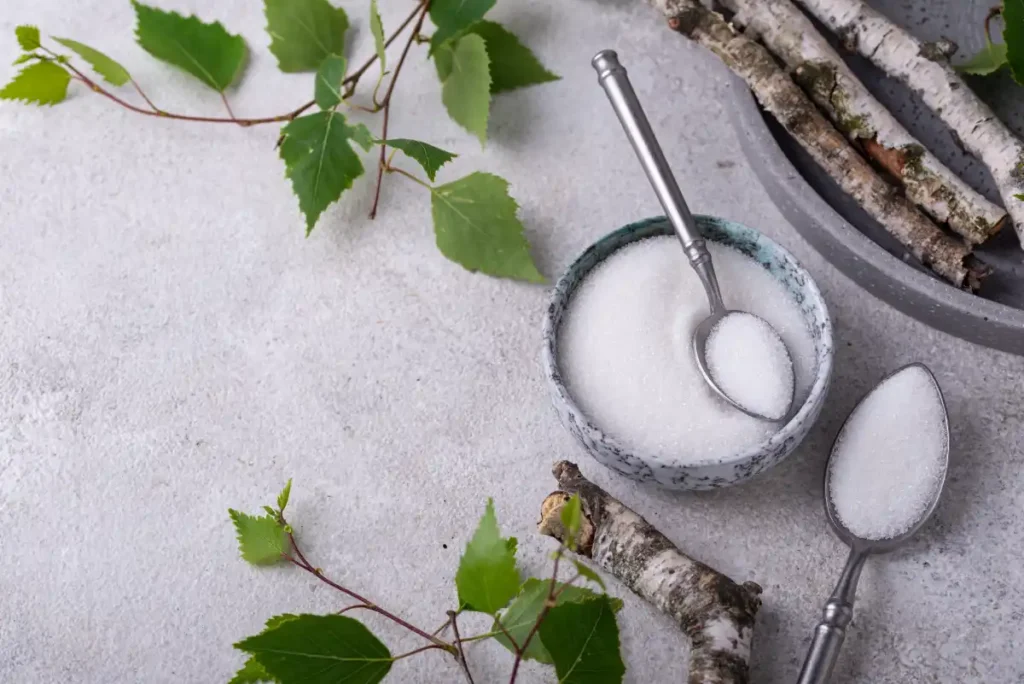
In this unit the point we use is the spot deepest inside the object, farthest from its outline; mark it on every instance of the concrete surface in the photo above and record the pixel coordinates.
(171, 346)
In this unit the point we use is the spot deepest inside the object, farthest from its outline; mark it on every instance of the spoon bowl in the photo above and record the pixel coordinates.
(612, 77)
(702, 334)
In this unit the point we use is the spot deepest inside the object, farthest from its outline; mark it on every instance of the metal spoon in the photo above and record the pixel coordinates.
(838, 612)
(612, 77)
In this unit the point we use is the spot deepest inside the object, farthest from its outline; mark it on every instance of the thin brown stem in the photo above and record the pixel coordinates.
(502, 629)
(301, 562)
(440, 630)
(461, 657)
(421, 649)
(95, 87)
(549, 603)
(386, 102)
(992, 14)
(403, 172)
(227, 106)
(566, 585)
(354, 606)
(143, 95)
(481, 637)
(349, 83)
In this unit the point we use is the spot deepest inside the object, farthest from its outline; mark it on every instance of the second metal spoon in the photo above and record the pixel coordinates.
(838, 612)
(612, 77)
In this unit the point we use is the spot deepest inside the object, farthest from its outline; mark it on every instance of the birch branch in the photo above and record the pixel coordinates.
(819, 69)
(785, 101)
(716, 613)
(924, 69)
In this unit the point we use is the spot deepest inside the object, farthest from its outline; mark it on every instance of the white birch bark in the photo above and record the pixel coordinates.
(795, 112)
(715, 612)
(925, 70)
(819, 69)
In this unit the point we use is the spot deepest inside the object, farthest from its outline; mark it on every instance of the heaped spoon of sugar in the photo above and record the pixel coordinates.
(727, 345)
(838, 612)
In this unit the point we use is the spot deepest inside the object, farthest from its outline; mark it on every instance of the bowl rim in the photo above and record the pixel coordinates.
(824, 352)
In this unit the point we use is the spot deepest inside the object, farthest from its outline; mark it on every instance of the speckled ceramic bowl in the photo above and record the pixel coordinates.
(709, 474)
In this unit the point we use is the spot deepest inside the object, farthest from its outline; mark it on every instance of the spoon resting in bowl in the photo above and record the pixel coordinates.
(736, 341)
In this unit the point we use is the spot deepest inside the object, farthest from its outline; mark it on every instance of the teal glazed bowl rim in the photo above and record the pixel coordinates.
(707, 473)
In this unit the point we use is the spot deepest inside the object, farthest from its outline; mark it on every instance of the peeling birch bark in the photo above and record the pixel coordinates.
(924, 69)
(716, 613)
(819, 69)
(785, 101)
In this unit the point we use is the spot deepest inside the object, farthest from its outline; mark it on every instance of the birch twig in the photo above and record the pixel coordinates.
(819, 69)
(785, 101)
(716, 613)
(924, 69)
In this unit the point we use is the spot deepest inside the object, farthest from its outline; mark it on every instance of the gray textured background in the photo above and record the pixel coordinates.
(171, 346)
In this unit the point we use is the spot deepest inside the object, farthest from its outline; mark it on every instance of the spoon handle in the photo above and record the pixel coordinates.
(612, 77)
(831, 631)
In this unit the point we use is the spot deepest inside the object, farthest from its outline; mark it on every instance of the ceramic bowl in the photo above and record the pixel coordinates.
(700, 475)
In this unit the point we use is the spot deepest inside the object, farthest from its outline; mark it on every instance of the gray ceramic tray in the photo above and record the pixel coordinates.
(852, 241)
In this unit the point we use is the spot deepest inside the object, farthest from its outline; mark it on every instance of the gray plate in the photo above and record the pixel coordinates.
(852, 241)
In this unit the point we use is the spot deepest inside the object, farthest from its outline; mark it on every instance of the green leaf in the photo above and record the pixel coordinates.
(319, 159)
(583, 640)
(279, 620)
(320, 649)
(589, 574)
(451, 17)
(28, 37)
(466, 91)
(27, 57)
(443, 57)
(207, 51)
(487, 577)
(303, 33)
(429, 157)
(475, 224)
(282, 498)
(1019, 196)
(571, 517)
(41, 83)
(377, 29)
(1013, 37)
(328, 82)
(513, 65)
(262, 540)
(522, 613)
(103, 65)
(989, 60)
(251, 673)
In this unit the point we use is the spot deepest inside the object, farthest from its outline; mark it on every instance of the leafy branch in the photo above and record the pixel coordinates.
(571, 627)
(475, 217)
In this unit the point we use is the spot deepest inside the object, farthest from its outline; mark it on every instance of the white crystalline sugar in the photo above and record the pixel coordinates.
(749, 362)
(890, 457)
(625, 351)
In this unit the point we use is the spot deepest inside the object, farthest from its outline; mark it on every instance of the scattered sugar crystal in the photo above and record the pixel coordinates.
(890, 457)
(749, 362)
(626, 353)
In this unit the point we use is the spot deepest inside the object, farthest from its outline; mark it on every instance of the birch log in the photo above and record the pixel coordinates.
(785, 101)
(925, 70)
(716, 613)
(819, 69)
